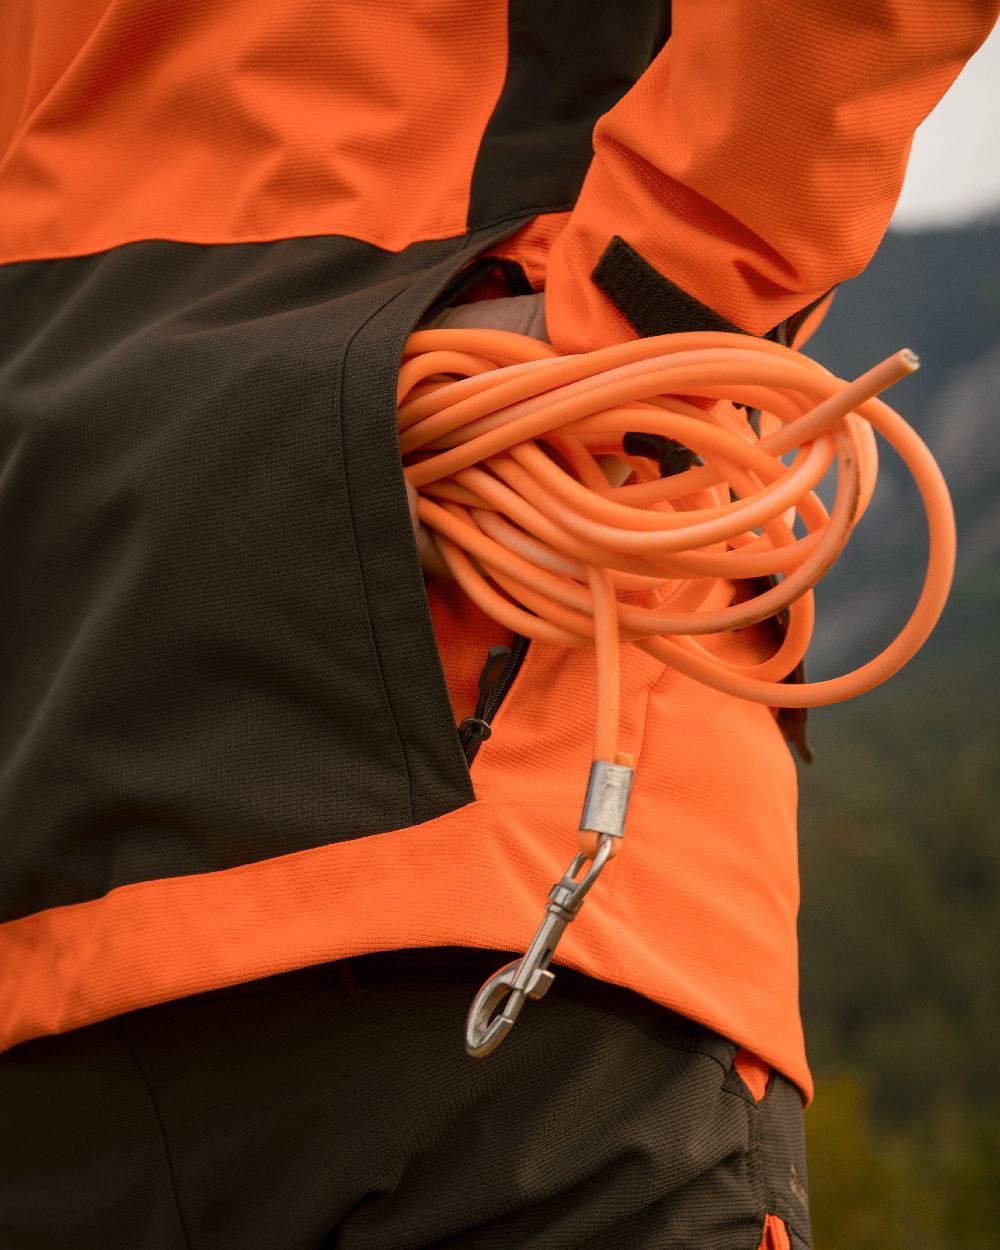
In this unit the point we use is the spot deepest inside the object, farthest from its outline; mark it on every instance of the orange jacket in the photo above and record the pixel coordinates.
(229, 747)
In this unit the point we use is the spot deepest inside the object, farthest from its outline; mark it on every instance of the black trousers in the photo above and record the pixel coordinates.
(336, 1107)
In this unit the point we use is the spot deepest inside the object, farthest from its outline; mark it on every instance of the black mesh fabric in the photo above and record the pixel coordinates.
(566, 67)
(336, 1107)
(215, 646)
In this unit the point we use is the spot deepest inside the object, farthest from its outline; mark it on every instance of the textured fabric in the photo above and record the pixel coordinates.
(336, 1107)
(198, 121)
(562, 74)
(221, 651)
(757, 162)
(203, 121)
(698, 915)
(229, 743)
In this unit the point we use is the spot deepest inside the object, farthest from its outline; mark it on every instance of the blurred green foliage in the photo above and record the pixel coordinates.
(900, 932)
(934, 1185)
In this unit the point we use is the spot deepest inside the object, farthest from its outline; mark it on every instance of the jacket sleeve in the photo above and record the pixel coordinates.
(754, 165)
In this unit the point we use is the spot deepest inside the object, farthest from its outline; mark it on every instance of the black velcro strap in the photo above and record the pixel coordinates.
(652, 305)
(648, 301)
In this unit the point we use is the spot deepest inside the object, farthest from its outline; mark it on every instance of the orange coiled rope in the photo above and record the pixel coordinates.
(500, 436)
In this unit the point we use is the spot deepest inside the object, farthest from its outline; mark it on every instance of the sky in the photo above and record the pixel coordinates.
(954, 170)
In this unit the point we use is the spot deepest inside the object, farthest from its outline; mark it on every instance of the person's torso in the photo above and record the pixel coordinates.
(229, 729)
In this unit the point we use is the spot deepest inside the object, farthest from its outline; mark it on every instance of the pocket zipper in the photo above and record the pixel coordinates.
(502, 663)
(502, 666)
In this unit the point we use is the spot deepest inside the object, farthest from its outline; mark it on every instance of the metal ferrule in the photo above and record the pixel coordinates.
(608, 792)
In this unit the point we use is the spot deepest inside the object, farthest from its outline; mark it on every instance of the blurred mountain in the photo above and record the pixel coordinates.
(899, 827)
(900, 833)
(937, 292)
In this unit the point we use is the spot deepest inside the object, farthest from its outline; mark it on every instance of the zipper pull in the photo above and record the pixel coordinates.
(476, 729)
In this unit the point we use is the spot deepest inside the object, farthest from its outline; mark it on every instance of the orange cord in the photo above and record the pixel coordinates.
(503, 457)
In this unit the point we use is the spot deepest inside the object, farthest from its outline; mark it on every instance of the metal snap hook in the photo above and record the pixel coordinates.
(529, 976)
(483, 1031)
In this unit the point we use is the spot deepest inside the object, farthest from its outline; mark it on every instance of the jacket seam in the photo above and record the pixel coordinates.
(265, 240)
(360, 564)
(538, 210)
(468, 245)
(163, 1132)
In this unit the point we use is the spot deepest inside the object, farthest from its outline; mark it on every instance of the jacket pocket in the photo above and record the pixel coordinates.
(414, 696)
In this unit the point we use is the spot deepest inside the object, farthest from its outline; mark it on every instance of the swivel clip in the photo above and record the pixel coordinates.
(529, 976)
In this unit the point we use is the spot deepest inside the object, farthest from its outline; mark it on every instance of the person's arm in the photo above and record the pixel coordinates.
(754, 166)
